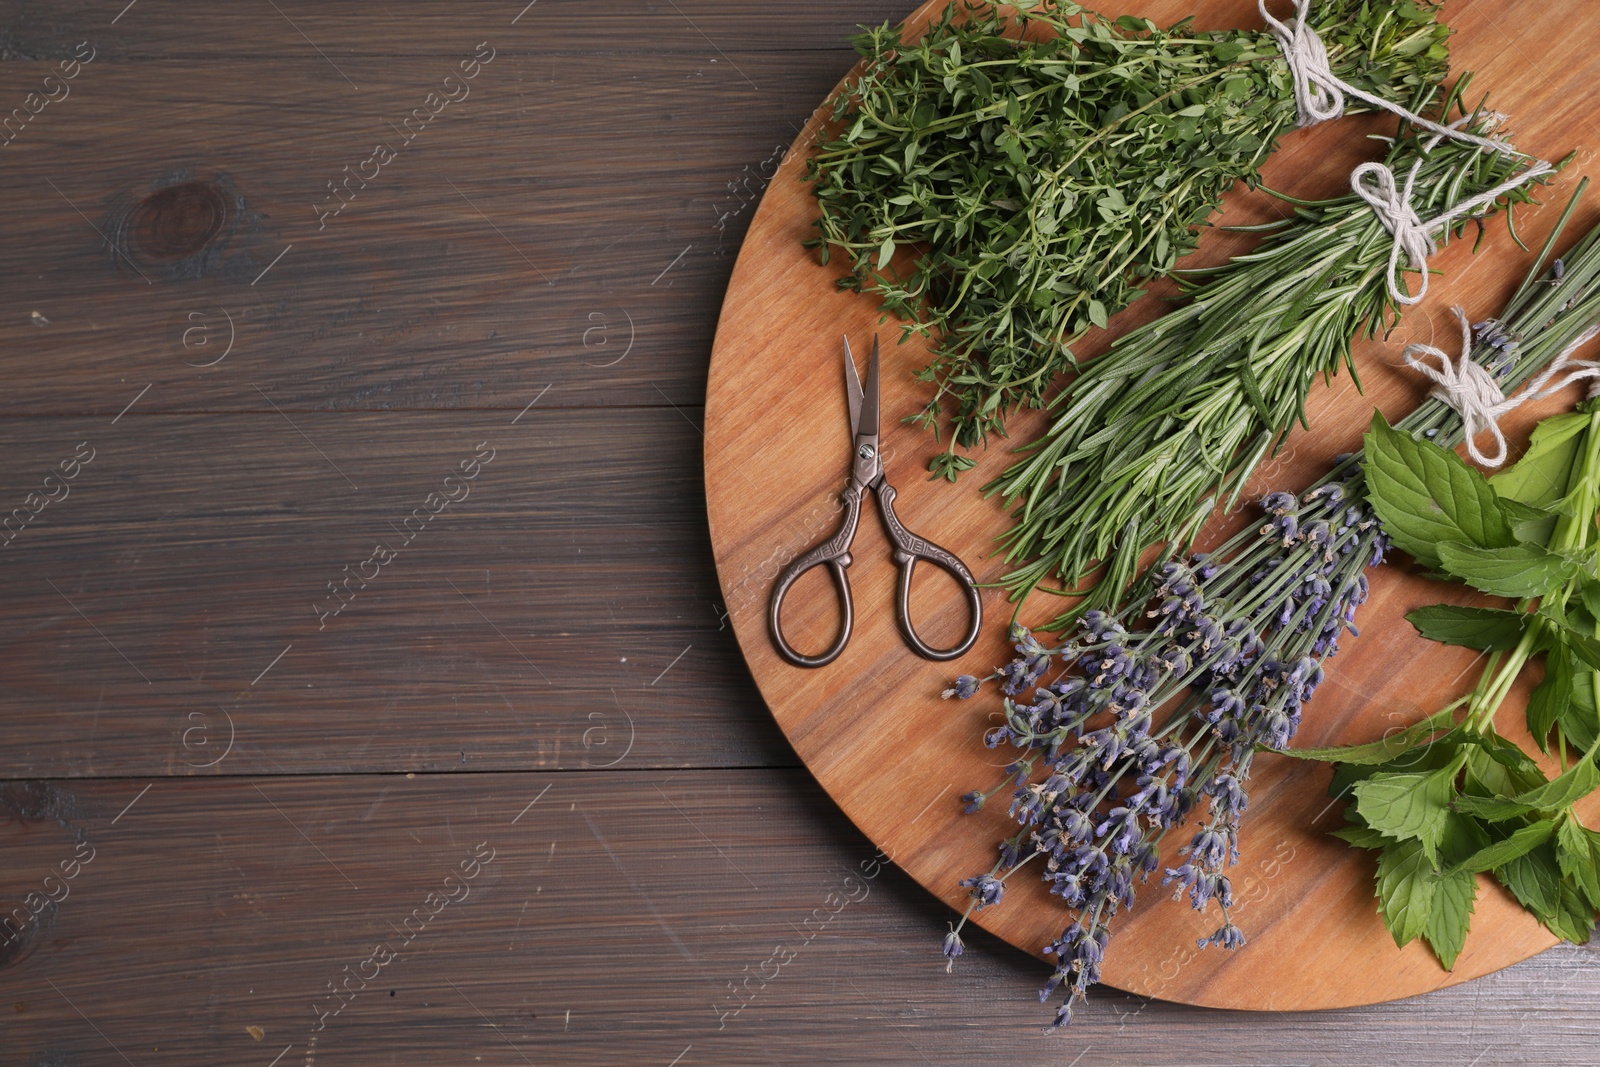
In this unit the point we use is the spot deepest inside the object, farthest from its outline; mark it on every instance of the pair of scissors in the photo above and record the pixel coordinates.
(866, 476)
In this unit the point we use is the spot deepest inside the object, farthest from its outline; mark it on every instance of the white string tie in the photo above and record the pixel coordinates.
(1394, 210)
(1472, 392)
(1411, 235)
(1319, 93)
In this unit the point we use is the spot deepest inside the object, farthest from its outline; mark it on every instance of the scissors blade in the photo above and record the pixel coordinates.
(867, 416)
(852, 386)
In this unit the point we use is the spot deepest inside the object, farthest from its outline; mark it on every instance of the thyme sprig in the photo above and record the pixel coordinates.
(1041, 181)
(1175, 417)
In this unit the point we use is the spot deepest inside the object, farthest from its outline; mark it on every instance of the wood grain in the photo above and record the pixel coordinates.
(1307, 896)
(606, 929)
(294, 29)
(547, 229)
(410, 331)
(561, 614)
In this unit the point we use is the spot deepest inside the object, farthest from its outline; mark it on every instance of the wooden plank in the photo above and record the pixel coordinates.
(305, 28)
(1315, 941)
(540, 230)
(561, 613)
(607, 927)
(198, 534)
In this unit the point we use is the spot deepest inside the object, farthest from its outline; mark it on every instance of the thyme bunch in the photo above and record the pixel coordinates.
(1178, 413)
(1040, 182)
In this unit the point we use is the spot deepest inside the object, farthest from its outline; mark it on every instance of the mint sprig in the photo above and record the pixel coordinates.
(1450, 798)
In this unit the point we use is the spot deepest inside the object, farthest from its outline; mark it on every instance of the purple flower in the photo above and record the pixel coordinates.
(1279, 503)
(1121, 830)
(1228, 799)
(953, 947)
(1077, 826)
(986, 889)
(1228, 937)
(1207, 849)
(1225, 703)
(1018, 676)
(966, 687)
(1028, 804)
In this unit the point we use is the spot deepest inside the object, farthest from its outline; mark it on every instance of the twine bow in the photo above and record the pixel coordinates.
(1319, 95)
(1474, 394)
(1393, 208)
(1411, 235)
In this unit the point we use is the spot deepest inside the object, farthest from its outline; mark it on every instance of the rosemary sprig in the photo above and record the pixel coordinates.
(1176, 416)
(1043, 181)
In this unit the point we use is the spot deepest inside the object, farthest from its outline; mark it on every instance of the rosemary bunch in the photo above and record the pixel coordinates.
(1147, 721)
(1042, 181)
(1186, 406)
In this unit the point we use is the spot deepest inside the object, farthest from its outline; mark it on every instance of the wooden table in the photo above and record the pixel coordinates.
(367, 695)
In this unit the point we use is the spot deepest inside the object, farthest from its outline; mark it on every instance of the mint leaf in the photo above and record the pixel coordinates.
(1541, 476)
(1575, 854)
(1450, 915)
(1409, 805)
(1552, 696)
(1463, 835)
(1486, 629)
(1380, 751)
(1424, 495)
(1573, 918)
(1518, 771)
(1579, 719)
(1405, 890)
(1585, 647)
(1361, 837)
(1579, 781)
(1534, 878)
(1487, 777)
(1515, 571)
(1502, 852)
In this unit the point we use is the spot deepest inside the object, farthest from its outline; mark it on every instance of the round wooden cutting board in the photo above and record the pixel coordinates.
(872, 726)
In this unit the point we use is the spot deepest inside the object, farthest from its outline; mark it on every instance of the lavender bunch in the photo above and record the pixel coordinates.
(1234, 651)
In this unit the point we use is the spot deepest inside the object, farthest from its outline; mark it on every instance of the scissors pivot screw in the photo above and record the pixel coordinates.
(866, 452)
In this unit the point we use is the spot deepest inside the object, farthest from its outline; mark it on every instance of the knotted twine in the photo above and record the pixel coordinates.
(1474, 394)
(1319, 95)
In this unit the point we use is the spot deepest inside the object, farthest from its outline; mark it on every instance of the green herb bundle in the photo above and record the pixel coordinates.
(1449, 797)
(1187, 405)
(1042, 181)
(1159, 707)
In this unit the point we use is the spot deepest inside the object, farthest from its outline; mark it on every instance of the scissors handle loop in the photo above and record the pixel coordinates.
(909, 549)
(835, 554)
